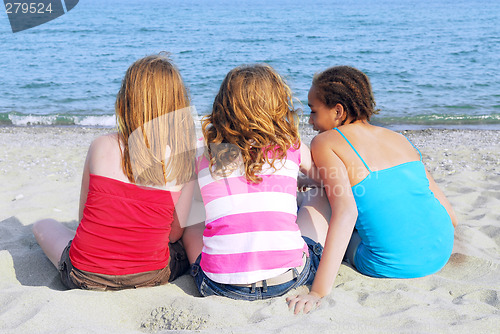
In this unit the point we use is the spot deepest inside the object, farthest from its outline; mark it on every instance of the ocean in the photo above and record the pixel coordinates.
(431, 63)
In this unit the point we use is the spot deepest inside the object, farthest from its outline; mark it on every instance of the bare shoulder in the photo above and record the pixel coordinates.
(105, 142)
(397, 145)
(105, 156)
(104, 145)
(324, 139)
(388, 135)
(387, 132)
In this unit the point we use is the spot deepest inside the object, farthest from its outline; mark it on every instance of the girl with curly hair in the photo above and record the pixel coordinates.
(251, 246)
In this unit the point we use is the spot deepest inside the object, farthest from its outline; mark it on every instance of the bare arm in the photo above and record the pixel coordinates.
(311, 176)
(344, 214)
(197, 210)
(101, 159)
(181, 213)
(193, 234)
(84, 190)
(441, 198)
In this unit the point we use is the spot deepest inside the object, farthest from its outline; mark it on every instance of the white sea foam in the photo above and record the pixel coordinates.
(25, 120)
(101, 121)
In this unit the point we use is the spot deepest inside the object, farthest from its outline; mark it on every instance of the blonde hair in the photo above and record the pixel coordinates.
(152, 113)
(252, 115)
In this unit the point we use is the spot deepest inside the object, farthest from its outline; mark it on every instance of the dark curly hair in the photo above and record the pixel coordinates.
(349, 87)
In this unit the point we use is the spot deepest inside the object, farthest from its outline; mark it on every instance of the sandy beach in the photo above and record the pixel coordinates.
(40, 174)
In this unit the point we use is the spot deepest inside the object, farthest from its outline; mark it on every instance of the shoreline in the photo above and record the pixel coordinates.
(303, 124)
(40, 171)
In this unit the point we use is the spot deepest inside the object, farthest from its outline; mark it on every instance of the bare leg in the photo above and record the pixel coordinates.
(193, 241)
(314, 214)
(52, 237)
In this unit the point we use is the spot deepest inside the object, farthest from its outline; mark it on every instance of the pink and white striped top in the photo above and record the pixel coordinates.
(251, 232)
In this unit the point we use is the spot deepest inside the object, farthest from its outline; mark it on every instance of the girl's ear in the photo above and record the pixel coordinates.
(340, 113)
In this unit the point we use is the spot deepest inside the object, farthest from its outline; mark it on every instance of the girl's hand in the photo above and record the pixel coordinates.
(304, 302)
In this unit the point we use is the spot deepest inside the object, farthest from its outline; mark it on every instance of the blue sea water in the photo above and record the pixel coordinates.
(431, 63)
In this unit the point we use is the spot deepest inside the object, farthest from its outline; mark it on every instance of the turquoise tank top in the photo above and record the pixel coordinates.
(405, 231)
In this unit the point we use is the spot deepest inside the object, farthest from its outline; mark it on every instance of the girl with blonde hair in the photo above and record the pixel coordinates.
(136, 189)
(251, 246)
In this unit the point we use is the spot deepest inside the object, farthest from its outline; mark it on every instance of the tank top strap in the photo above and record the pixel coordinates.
(414, 147)
(348, 142)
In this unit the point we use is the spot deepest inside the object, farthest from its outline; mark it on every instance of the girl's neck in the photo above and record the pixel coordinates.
(358, 122)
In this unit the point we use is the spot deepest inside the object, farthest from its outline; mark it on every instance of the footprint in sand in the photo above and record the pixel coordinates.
(170, 318)
(470, 269)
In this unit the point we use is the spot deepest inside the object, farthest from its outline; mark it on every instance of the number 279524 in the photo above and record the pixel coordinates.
(25, 8)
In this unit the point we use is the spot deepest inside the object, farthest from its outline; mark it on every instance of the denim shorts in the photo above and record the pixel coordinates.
(207, 287)
(73, 278)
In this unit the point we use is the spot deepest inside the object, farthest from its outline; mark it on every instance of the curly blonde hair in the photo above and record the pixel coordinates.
(152, 113)
(252, 115)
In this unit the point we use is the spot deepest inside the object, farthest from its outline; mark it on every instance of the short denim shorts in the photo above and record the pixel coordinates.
(73, 278)
(207, 287)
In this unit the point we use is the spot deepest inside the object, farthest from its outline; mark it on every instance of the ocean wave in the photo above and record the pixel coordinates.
(429, 119)
(41, 85)
(17, 119)
(440, 119)
(106, 121)
(109, 120)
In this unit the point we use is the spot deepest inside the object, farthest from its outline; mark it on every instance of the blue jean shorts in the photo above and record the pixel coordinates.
(207, 287)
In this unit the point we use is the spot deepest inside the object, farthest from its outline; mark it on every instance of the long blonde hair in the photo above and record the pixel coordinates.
(253, 115)
(152, 112)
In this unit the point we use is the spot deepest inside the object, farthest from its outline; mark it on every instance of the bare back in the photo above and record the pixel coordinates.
(104, 158)
(380, 148)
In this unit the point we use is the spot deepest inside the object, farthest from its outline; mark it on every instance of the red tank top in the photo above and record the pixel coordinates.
(124, 229)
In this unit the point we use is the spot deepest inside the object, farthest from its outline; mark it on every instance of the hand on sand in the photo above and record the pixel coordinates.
(304, 302)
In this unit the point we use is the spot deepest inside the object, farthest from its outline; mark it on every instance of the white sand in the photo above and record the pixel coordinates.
(40, 171)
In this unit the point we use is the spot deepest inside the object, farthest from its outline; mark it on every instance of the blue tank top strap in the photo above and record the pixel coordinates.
(348, 142)
(414, 147)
